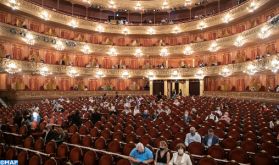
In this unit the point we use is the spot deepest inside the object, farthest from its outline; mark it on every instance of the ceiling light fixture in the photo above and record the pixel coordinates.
(213, 47)
(239, 41)
(188, 50)
(59, 45)
(73, 23)
(86, 49)
(225, 72)
(138, 52)
(164, 52)
(44, 15)
(29, 39)
(227, 18)
(112, 52)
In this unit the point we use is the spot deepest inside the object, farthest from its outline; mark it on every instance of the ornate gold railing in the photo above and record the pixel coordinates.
(36, 95)
(182, 73)
(11, 33)
(56, 17)
(260, 96)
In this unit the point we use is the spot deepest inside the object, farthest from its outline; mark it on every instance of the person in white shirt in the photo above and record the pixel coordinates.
(126, 110)
(167, 110)
(193, 136)
(180, 157)
(90, 108)
(136, 110)
(67, 101)
(84, 108)
(90, 99)
(273, 123)
(160, 109)
(176, 102)
(61, 99)
(218, 111)
(212, 116)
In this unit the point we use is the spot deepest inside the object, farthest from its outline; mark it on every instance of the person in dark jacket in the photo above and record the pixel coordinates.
(95, 117)
(75, 119)
(210, 139)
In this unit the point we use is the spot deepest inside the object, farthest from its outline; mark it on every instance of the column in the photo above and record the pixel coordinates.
(201, 87)
(150, 87)
(166, 87)
(187, 88)
(172, 85)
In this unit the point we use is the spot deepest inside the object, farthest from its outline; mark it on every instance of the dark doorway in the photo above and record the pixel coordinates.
(194, 87)
(158, 86)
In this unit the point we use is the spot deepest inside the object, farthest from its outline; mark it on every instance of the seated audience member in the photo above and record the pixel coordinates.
(95, 116)
(218, 111)
(18, 118)
(141, 154)
(273, 123)
(193, 136)
(163, 155)
(112, 109)
(167, 110)
(84, 108)
(176, 102)
(210, 139)
(126, 110)
(136, 110)
(194, 111)
(212, 116)
(265, 108)
(75, 119)
(187, 117)
(160, 109)
(145, 114)
(51, 134)
(67, 101)
(159, 96)
(58, 107)
(226, 117)
(180, 157)
(61, 99)
(91, 100)
(90, 108)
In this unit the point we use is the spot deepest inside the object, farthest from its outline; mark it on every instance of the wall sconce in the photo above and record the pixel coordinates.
(73, 23)
(125, 75)
(225, 72)
(59, 45)
(12, 68)
(239, 41)
(138, 53)
(112, 52)
(100, 74)
(72, 72)
(44, 15)
(164, 52)
(44, 71)
(188, 50)
(29, 39)
(200, 74)
(86, 49)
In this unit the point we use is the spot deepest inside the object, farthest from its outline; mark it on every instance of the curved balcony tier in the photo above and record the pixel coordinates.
(10, 33)
(263, 65)
(236, 13)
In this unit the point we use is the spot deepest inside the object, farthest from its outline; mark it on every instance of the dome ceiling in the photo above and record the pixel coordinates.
(140, 5)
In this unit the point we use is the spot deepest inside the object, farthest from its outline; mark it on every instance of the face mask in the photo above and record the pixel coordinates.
(162, 148)
(180, 151)
(192, 133)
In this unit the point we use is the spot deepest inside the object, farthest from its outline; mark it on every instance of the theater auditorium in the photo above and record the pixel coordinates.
(139, 82)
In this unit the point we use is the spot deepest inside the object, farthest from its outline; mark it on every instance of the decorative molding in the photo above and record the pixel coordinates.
(260, 96)
(184, 73)
(13, 33)
(215, 20)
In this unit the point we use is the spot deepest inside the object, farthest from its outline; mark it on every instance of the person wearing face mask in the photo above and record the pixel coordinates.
(187, 117)
(141, 154)
(162, 156)
(210, 139)
(226, 117)
(193, 136)
(180, 157)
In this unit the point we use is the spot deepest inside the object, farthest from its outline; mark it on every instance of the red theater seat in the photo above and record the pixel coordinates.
(89, 158)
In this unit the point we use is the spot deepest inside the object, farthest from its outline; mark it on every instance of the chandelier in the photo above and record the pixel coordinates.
(225, 72)
(174, 74)
(176, 30)
(239, 41)
(72, 72)
(14, 4)
(151, 31)
(188, 2)
(138, 6)
(202, 25)
(264, 32)
(112, 52)
(274, 66)
(86, 49)
(164, 52)
(59, 45)
(199, 74)
(125, 75)
(213, 47)
(100, 29)
(227, 18)
(150, 75)
(138, 52)
(44, 71)
(44, 15)
(100, 74)
(251, 69)
(73, 23)
(125, 31)
(165, 5)
(188, 50)
(252, 7)
(12, 68)
(29, 39)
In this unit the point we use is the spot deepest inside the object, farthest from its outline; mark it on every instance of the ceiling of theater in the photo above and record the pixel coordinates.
(142, 4)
